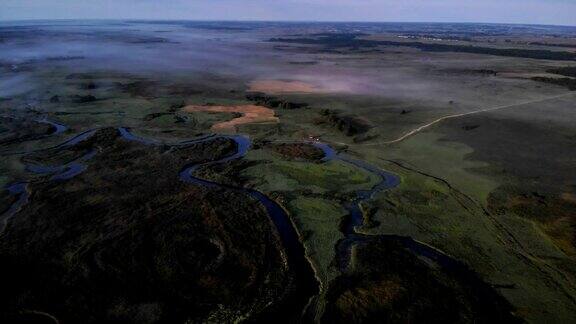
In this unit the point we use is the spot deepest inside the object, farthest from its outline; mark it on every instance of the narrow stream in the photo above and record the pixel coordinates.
(58, 128)
(63, 172)
(307, 285)
(457, 269)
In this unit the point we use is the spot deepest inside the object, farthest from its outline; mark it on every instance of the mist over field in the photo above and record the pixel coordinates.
(287, 161)
(172, 50)
(200, 52)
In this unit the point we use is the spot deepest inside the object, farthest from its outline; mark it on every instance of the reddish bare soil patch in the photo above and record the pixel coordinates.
(251, 114)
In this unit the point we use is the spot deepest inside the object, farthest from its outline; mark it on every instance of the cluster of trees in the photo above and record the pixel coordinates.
(271, 102)
(564, 82)
(349, 125)
(568, 82)
(569, 71)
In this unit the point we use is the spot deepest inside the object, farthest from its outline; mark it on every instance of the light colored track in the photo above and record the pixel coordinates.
(436, 121)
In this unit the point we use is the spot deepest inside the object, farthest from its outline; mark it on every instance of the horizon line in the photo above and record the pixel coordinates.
(284, 21)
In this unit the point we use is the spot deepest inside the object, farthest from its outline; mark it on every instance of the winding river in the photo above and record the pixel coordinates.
(307, 285)
(457, 269)
(58, 128)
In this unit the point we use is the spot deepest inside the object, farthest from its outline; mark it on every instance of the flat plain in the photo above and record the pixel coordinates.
(158, 171)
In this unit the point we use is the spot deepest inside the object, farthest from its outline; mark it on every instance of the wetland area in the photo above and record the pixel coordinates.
(225, 172)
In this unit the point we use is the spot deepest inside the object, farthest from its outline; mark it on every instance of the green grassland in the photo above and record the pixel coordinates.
(312, 193)
(507, 251)
(448, 159)
(312, 190)
(529, 259)
(318, 222)
(449, 208)
(276, 174)
(317, 219)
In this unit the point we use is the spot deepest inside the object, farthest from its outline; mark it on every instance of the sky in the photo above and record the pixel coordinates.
(556, 12)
